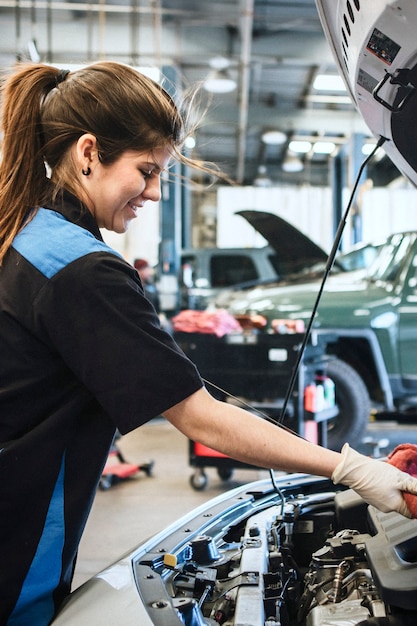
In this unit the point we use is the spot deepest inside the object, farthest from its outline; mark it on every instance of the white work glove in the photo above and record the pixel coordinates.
(377, 482)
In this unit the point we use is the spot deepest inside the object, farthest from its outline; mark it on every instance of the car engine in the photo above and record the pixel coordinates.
(283, 557)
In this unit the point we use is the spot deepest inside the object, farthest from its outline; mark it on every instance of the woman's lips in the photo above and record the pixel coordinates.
(135, 207)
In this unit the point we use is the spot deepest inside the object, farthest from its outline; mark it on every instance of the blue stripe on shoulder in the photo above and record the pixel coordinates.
(50, 242)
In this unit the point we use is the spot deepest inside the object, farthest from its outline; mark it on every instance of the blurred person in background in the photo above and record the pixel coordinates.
(146, 274)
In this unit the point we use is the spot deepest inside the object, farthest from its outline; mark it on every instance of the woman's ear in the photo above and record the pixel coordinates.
(86, 151)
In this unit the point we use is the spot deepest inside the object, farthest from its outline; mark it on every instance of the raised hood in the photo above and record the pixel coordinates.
(375, 47)
(293, 249)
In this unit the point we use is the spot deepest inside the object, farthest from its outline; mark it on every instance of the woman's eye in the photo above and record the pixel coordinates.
(146, 173)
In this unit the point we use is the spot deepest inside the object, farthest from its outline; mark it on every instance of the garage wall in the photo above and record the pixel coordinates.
(383, 211)
(308, 208)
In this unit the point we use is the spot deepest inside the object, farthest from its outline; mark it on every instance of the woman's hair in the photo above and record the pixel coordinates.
(44, 112)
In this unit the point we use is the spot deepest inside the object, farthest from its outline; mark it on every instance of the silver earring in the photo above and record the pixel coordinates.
(86, 172)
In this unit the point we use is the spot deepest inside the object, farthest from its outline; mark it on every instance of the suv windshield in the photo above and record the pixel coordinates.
(390, 258)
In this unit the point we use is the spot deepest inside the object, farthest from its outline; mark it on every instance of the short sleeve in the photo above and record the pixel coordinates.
(95, 315)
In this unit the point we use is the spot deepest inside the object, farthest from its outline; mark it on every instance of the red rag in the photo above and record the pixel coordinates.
(404, 457)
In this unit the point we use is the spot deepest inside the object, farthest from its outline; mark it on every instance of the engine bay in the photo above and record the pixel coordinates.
(293, 554)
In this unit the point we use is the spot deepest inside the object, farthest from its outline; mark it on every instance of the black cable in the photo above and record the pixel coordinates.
(329, 265)
(249, 407)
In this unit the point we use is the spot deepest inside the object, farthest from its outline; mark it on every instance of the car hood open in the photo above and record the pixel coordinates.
(294, 250)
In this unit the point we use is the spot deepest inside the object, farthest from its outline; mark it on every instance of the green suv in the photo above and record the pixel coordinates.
(368, 322)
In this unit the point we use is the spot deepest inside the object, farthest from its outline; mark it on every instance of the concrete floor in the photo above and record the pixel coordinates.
(139, 507)
(136, 509)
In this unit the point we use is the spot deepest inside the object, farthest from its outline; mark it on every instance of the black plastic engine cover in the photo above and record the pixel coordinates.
(392, 556)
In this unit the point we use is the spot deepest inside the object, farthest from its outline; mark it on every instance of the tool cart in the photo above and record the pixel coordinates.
(256, 369)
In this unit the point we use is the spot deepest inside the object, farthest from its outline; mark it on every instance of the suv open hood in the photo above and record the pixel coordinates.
(294, 250)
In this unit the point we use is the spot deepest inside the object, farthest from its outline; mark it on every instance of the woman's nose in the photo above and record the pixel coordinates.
(153, 189)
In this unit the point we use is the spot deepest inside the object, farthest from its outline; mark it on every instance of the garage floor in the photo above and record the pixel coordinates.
(137, 508)
(134, 510)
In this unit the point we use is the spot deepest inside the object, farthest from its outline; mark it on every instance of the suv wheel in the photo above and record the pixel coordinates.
(354, 404)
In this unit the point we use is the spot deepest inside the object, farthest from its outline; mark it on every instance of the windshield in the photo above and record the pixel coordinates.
(390, 258)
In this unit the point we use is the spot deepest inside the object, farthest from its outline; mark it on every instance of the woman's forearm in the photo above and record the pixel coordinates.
(247, 438)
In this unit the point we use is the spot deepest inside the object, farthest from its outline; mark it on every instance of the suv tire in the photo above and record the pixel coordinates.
(354, 404)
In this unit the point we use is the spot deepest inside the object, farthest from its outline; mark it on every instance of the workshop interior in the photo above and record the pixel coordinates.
(291, 282)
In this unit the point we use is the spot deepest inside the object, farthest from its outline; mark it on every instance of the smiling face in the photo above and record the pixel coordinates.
(114, 193)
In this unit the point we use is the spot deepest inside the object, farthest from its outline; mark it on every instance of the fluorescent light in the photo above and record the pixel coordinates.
(323, 147)
(367, 148)
(190, 142)
(329, 82)
(292, 163)
(219, 81)
(274, 137)
(299, 146)
(262, 179)
(219, 63)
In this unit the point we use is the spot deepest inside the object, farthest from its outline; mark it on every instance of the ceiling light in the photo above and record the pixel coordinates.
(219, 81)
(299, 146)
(367, 149)
(262, 179)
(274, 137)
(190, 142)
(323, 147)
(219, 63)
(292, 163)
(329, 82)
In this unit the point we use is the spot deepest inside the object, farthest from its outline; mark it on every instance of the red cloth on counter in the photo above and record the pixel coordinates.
(404, 457)
(217, 323)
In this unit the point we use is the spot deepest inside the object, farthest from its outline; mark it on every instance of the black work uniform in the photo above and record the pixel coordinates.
(81, 353)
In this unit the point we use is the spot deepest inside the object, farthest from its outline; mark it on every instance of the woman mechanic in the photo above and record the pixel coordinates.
(81, 349)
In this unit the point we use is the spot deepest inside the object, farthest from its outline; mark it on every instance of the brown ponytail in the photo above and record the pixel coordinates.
(22, 172)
